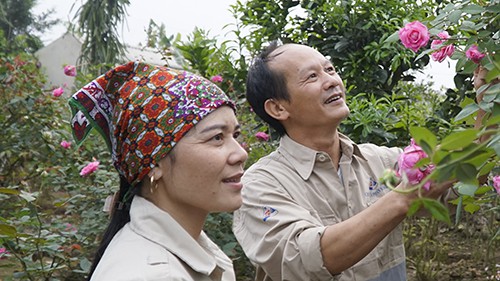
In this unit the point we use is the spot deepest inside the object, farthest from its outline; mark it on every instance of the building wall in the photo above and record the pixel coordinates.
(55, 56)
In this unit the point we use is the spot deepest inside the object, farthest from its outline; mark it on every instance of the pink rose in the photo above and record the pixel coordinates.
(496, 184)
(407, 160)
(441, 54)
(4, 253)
(216, 79)
(244, 145)
(474, 54)
(442, 35)
(58, 92)
(89, 169)
(65, 144)
(262, 136)
(69, 227)
(70, 70)
(414, 35)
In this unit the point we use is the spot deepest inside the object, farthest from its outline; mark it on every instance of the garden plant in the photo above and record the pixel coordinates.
(52, 192)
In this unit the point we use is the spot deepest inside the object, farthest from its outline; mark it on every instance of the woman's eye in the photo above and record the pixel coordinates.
(330, 69)
(217, 137)
(313, 75)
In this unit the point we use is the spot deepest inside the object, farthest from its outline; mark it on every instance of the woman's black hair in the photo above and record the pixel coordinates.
(120, 215)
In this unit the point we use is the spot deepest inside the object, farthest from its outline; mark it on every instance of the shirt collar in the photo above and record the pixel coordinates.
(303, 158)
(158, 226)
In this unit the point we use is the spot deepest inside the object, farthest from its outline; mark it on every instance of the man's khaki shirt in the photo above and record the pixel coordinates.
(293, 194)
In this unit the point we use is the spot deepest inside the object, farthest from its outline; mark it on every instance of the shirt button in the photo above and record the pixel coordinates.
(322, 158)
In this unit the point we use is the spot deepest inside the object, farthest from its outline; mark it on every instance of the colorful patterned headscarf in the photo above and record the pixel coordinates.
(142, 111)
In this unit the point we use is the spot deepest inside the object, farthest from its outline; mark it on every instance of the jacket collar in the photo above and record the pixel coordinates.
(158, 226)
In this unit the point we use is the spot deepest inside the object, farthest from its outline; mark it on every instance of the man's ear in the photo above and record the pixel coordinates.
(276, 109)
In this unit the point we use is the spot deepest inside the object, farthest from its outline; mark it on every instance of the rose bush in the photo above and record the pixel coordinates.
(470, 154)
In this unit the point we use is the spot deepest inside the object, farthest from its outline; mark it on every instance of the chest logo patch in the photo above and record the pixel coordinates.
(268, 212)
(375, 189)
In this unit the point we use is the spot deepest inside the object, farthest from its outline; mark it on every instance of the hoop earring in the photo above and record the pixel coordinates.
(151, 185)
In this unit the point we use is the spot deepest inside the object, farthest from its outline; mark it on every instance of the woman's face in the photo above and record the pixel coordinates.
(203, 174)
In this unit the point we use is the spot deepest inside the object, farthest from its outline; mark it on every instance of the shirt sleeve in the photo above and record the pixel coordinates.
(277, 234)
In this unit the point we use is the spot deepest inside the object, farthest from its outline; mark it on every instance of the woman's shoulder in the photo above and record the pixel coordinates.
(132, 257)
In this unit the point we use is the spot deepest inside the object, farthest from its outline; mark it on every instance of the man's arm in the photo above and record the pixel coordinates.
(346, 243)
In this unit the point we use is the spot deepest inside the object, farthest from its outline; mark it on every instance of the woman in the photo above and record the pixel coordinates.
(172, 135)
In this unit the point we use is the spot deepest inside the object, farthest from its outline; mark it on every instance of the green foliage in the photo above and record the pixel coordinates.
(98, 22)
(50, 218)
(20, 27)
(352, 33)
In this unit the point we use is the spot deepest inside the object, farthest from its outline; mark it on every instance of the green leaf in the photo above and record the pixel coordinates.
(425, 138)
(467, 173)
(414, 207)
(486, 168)
(393, 38)
(437, 210)
(85, 264)
(473, 9)
(9, 191)
(459, 139)
(466, 111)
(8, 230)
(29, 197)
(466, 189)
(472, 208)
(492, 74)
(455, 16)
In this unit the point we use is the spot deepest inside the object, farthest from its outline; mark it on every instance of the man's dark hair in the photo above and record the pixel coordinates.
(263, 84)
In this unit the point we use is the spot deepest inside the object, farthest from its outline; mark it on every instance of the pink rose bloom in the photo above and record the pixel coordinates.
(443, 35)
(244, 145)
(407, 160)
(414, 35)
(262, 136)
(65, 144)
(474, 54)
(70, 70)
(441, 54)
(58, 92)
(89, 169)
(4, 253)
(216, 79)
(69, 227)
(496, 184)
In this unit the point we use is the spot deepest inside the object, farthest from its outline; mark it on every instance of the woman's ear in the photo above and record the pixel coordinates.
(157, 172)
(275, 109)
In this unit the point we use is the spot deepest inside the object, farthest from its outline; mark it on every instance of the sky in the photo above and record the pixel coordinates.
(179, 16)
(182, 16)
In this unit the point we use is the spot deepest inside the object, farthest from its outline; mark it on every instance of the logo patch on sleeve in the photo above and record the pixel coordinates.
(268, 212)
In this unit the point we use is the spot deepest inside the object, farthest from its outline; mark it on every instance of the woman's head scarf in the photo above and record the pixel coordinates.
(142, 111)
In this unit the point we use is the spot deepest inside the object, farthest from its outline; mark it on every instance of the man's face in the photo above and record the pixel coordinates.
(317, 94)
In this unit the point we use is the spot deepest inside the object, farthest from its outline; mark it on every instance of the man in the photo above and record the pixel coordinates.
(313, 209)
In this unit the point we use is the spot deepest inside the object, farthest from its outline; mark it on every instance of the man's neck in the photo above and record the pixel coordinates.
(325, 142)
